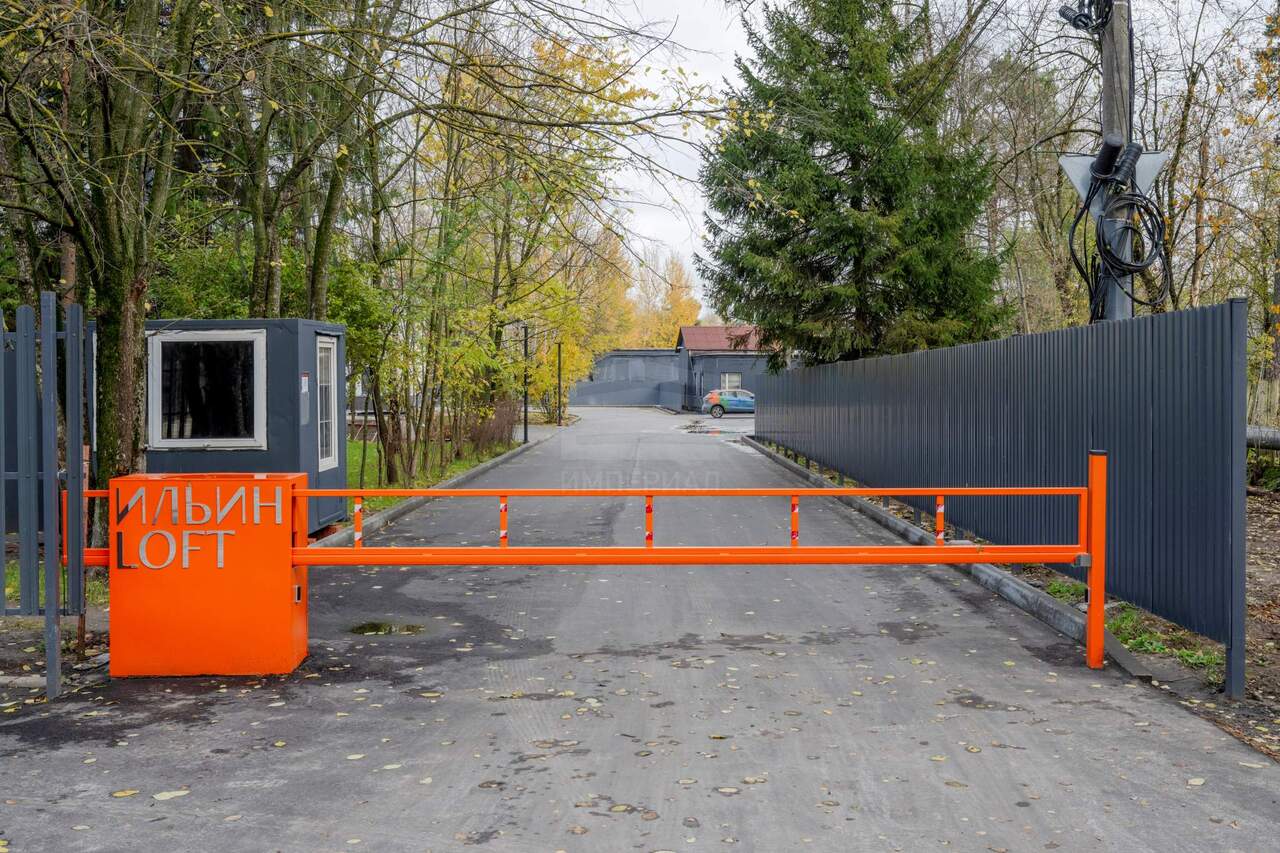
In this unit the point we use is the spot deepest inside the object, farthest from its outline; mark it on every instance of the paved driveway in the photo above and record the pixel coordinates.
(674, 708)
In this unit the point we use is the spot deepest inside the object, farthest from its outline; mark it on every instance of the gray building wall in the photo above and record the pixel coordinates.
(674, 378)
(639, 377)
(705, 370)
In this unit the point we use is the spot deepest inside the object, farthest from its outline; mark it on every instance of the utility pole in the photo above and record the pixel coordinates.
(559, 386)
(526, 383)
(1117, 113)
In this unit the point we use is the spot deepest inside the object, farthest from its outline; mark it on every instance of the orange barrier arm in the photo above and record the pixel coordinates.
(543, 555)
(1088, 550)
(958, 491)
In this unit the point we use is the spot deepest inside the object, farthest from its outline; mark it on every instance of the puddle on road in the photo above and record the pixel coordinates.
(383, 628)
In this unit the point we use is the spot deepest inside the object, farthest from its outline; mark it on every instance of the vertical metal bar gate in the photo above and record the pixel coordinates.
(34, 367)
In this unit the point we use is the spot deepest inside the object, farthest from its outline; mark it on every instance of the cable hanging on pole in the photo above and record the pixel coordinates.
(1090, 16)
(1127, 216)
(1129, 228)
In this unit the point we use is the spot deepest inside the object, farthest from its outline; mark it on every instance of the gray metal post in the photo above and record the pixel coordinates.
(1233, 683)
(526, 383)
(74, 408)
(1117, 104)
(27, 450)
(49, 477)
(559, 388)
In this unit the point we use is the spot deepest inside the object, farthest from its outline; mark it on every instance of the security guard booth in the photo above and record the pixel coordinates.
(249, 396)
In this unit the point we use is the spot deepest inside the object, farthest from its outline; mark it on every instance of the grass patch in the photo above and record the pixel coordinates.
(1067, 591)
(95, 591)
(1142, 632)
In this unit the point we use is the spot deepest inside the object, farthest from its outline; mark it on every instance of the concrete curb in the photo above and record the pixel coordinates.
(1058, 616)
(379, 520)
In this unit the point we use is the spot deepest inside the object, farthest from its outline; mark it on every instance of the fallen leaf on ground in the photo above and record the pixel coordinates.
(169, 795)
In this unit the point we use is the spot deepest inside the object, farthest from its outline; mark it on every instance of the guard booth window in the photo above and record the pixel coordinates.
(206, 389)
(327, 401)
(730, 381)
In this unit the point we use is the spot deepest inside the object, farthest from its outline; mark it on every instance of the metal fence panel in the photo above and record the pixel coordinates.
(74, 440)
(31, 366)
(5, 403)
(51, 489)
(28, 505)
(1163, 395)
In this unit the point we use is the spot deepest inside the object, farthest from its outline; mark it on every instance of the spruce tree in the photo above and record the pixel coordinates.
(838, 211)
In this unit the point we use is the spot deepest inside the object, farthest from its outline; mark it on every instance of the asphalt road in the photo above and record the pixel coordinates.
(645, 708)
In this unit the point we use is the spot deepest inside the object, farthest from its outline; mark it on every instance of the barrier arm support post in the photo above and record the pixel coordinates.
(795, 521)
(503, 539)
(940, 520)
(357, 522)
(1095, 619)
(648, 521)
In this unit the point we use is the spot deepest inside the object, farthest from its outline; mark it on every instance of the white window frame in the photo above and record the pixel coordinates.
(155, 340)
(329, 342)
(724, 381)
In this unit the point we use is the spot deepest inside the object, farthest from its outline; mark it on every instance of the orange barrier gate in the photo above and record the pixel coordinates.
(208, 571)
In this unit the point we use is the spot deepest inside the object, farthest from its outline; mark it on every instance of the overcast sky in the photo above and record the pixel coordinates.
(711, 34)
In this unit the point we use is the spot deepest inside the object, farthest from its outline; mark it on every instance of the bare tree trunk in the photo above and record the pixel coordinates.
(319, 278)
(66, 242)
(1197, 259)
(1267, 403)
(120, 369)
(21, 232)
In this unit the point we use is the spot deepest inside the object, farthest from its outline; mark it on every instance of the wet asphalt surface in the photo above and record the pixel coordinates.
(641, 708)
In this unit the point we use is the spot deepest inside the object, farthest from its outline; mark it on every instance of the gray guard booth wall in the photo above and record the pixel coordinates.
(292, 432)
(1163, 395)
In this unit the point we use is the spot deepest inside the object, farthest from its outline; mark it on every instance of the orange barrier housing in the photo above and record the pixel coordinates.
(203, 580)
(214, 580)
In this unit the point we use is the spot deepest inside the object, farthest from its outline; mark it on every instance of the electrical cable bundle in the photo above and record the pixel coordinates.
(1133, 216)
(1090, 16)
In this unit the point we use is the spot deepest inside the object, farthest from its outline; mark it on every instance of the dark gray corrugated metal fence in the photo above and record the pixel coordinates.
(1163, 395)
(31, 362)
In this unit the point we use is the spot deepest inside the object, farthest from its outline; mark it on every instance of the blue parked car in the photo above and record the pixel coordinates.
(717, 403)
